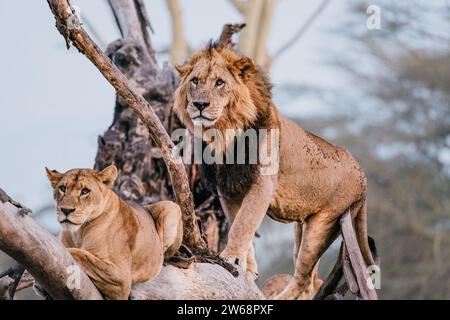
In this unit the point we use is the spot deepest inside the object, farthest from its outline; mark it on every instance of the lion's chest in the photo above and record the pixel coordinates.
(231, 180)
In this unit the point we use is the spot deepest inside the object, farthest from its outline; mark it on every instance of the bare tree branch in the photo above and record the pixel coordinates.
(133, 22)
(81, 40)
(226, 37)
(42, 255)
(356, 259)
(349, 274)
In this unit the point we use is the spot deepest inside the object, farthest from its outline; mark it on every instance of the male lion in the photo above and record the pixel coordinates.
(316, 182)
(116, 243)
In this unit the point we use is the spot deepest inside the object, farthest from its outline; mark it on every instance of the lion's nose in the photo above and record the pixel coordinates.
(67, 211)
(201, 105)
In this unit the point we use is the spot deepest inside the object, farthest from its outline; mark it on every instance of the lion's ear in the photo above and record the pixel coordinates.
(108, 175)
(244, 65)
(184, 70)
(53, 176)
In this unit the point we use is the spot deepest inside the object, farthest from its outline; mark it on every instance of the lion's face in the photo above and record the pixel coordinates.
(208, 92)
(213, 93)
(80, 194)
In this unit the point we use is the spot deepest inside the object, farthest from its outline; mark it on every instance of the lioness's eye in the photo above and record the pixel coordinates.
(62, 189)
(219, 82)
(195, 80)
(85, 191)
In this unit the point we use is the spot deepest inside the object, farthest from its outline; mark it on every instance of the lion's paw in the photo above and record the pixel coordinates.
(252, 274)
(235, 259)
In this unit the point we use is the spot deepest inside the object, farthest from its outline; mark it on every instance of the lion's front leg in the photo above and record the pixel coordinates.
(247, 221)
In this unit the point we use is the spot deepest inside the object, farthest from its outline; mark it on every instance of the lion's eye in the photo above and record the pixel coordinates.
(219, 82)
(195, 80)
(85, 191)
(62, 189)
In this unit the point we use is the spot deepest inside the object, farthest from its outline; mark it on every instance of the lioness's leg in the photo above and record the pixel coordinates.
(113, 280)
(231, 208)
(319, 233)
(169, 225)
(248, 219)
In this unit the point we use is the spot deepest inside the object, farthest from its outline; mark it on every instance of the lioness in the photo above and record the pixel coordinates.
(116, 243)
(316, 181)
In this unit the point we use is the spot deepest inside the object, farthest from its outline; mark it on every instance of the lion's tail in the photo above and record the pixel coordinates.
(361, 235)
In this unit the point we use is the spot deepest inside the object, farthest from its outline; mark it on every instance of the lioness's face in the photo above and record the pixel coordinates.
(80, 194)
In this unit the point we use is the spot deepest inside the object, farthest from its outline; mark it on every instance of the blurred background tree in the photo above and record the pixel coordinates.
(396, 120)
(253, 40)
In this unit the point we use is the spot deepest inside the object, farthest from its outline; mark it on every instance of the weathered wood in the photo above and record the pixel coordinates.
(348, 272)
(133, 22)
(23, 282)
(76, 35)
(225, 39)
(42, 255)
(201, 281)
(356, 259)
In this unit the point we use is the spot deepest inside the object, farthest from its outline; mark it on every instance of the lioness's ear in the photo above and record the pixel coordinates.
(108, 175)
(244, 65)
(184, 69)
(54, 176)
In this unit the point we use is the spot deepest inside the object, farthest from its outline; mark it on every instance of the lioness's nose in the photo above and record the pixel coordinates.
(201, 105)
(67, 211)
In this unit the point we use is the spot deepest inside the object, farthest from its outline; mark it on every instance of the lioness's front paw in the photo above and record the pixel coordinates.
(236, 259)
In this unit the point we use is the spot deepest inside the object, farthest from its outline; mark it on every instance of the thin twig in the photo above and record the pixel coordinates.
(305, 27)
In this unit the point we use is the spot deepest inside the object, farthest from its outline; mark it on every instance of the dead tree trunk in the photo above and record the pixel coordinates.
(76, 35)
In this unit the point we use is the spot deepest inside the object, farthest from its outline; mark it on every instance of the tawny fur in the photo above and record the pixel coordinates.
(116, 243)
(316, 181)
